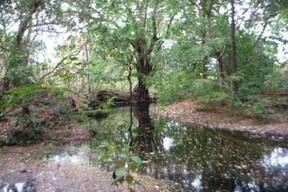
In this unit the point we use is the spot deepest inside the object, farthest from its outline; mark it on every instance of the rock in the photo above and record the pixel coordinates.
(2, 116)
(17, 182)
(97, 114)
(2, 140)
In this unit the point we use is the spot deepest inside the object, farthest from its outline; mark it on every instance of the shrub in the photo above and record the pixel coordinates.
(209, 91)
(182, 85)
(19, 95)
(263, 108)
(173, 86)
(276, 81)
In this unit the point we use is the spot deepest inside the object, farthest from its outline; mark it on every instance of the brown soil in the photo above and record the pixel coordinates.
(221, 117)
(45, 108)
(69, 177)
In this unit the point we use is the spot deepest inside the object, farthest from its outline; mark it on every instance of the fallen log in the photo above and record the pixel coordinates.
(115, 99)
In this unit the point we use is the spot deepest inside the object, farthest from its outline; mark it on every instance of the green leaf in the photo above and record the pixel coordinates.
(120, 172)
(124, 156)
(136, 160)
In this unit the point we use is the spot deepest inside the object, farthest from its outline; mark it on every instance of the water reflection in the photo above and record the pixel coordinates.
(168, 143)
(195, 158)
(278, 158)
(146, 141)
(73, 155)
(276, 168)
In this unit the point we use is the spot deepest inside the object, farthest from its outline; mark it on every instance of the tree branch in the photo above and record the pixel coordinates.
(266, 22)
(154, 38)
(60, 63)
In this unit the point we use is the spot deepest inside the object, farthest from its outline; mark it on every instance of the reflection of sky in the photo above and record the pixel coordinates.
(197, 183)
(275, 167)
(278, 158)
(81, 157)
(168, 143)
(172, 124)
(251, 187)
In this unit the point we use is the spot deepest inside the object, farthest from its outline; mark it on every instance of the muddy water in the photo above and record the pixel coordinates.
(195, 159)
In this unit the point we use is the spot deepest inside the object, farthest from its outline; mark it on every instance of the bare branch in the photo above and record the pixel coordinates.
(61, 62)
(155, 37)
(284, 41)
(266, 22)
(169, 25)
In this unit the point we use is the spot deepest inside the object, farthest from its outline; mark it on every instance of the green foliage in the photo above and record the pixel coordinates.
(19, 95)
(18, 72)
(261, 108)
(182, 85)
(66, 112)
(174, 85)
(82, 114)
(126, 165)
(209, 91)
(22, 95)
(254, 66)
(182, 42)
(276, 81)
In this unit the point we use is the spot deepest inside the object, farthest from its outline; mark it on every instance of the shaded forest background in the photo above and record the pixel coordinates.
(232, 53)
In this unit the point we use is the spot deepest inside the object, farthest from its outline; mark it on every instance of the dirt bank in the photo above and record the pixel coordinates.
(44, 117)
(217, 117)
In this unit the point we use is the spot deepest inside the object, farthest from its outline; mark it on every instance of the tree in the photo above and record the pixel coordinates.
(233, 48)
(19, 55)
(30, 17)
(137, 29)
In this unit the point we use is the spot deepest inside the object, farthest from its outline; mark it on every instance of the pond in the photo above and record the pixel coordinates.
(195, 159)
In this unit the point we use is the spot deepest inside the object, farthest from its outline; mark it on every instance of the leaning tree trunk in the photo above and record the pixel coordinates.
(234, 49)
(18, 57)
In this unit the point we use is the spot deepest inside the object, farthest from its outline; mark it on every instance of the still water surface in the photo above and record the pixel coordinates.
(195, 159)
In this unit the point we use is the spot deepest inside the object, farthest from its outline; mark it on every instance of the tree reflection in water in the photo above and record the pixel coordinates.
(146, 142)
(202, 159)
(197, 159)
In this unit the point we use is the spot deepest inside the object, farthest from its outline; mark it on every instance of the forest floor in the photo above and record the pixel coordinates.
(53, 176)
(221, 117)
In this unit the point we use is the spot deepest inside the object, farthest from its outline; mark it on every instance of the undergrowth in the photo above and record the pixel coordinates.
(181, 86)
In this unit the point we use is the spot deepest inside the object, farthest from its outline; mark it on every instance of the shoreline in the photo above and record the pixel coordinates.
(189, 112)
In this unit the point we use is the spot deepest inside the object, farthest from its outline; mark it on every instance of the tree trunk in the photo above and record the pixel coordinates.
(234, 49)
(204, 68)
(129, 78)
(206, 9)
(18, 57)
(141, 92)
(221, 66)
(143, 68)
